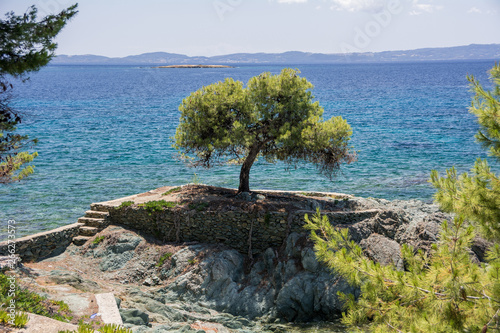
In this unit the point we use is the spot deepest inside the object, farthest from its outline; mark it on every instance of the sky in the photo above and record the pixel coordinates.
(117, 28)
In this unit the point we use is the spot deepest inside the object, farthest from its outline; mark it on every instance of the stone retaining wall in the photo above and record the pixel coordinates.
(233, 228)
(44, 244)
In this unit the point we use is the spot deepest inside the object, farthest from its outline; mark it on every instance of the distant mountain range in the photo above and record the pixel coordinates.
(469, 52)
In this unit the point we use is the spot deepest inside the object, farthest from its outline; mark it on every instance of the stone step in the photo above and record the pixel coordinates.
(80, 240)
(92, 222)
(99, 207)
(96, 214)
(88, 231)
(108, 309)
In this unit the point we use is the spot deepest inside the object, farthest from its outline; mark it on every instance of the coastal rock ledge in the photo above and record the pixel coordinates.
(194, 286)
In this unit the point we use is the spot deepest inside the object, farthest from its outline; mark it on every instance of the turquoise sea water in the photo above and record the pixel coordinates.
(104, 132)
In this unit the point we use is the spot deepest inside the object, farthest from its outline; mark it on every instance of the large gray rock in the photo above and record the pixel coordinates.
(383, 250)
(309, 261)
(134, 317)
(308, 297)
(479, 247)
(116, 253)
(73, 279)
(286, 283)
(292, 286)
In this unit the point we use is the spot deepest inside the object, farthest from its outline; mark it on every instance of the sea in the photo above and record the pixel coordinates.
(104, 132)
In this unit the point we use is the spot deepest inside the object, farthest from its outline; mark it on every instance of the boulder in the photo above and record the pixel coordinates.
(117, 252)
(308, 297)
(134, 317)
(73, 279)
(383, 250)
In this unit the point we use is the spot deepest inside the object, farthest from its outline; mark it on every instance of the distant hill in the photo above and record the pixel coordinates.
(469, 52)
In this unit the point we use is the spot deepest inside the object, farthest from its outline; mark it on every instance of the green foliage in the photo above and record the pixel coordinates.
(440, 292)
(173, 190)
(158, 206)
(192, 261)
(113, 328)
(165, 256)
(28, 301)
(21, 319)
(98, 239)
(126, 204)
(4, 317)
(26, 45)
(477, 196)
(275, 117)
(108, 328)
(195, 180)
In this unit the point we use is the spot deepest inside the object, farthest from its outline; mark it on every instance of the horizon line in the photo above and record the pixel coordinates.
(291, 51)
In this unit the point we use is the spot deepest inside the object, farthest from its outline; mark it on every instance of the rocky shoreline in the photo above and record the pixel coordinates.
(196, 287)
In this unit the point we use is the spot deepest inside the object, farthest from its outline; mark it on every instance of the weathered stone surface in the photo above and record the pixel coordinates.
(108, 308)
(309, 261)
(43, 244)
(308, 296)
(383, 250)
(116, 253)
(282, 280)
(73, 279)
(134, 317)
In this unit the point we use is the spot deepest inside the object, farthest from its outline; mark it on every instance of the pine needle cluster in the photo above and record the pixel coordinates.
(443, 290)
(26, 45)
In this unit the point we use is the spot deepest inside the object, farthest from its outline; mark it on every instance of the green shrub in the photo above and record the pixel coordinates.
(98, 239)
(108, 328)
(113, 328)
(164, 257)
(195, 180)
(4, 317)
(126, 204)
(173, 190)
(21, 319)
(28, 301)
(158, 206)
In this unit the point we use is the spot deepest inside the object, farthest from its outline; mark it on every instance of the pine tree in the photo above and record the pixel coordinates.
(477, 196)
(26, 45)
(440, 291)
(274, 117)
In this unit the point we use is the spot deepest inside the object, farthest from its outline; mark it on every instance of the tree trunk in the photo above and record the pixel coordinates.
(245, 169)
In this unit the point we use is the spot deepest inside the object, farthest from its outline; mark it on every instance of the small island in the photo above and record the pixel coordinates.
(194, 66)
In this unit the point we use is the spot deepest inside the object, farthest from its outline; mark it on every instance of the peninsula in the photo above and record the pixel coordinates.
(194, 66)
(180, 258)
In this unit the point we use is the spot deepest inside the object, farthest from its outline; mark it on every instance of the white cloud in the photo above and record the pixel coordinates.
(474, 10)
(416, 6)
(358, 5)
(347, 5)
(420, 8)
(292, 1)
